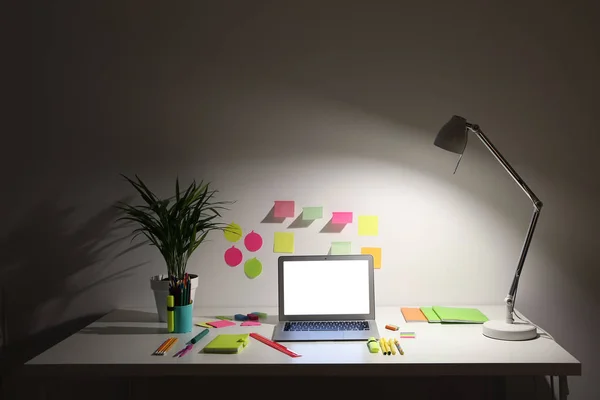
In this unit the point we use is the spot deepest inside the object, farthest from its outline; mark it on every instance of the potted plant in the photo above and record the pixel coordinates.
(176, 226)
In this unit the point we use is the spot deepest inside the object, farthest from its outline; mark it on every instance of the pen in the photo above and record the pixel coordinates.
(392, 347)
(398, 346)
(199, 336)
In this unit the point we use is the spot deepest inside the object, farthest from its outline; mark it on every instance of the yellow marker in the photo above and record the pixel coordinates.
(383, 347)
(387, 348)
(398, 346)
(392, 347)
(170, 313)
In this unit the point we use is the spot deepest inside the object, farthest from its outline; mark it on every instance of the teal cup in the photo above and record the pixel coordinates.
(183, 319)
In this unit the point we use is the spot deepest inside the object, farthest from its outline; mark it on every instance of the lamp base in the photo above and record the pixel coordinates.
(503, 331)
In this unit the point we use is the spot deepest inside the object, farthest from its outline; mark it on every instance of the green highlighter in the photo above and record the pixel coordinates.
(373, 345)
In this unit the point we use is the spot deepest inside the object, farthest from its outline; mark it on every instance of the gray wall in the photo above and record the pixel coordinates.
(233, 91)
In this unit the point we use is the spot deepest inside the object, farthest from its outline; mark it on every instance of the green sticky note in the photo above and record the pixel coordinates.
(252, 268)
(283, 242)
(310, 213)
(340, 248)
(368, 225)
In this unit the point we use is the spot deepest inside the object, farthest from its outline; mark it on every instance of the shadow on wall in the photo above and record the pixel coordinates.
(39, 262)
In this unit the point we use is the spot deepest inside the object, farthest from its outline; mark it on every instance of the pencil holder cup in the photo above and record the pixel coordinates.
(183, 319)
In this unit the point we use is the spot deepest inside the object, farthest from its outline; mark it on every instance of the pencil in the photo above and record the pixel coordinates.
(398, 346)
(162, 346)
(392, 347)
(170, 345)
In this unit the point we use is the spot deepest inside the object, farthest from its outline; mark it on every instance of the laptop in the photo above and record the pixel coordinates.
(324, 298)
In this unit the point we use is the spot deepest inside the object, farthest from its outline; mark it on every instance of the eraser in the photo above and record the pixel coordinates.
(240, 317)
(373, 345)
(260, 314)
(391, 327)
(253, 317)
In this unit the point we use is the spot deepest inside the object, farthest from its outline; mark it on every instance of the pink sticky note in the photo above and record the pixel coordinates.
(342, 218)
(221, 323)
(250, 323)
(253, 241)
(233, 256)
(284, 209)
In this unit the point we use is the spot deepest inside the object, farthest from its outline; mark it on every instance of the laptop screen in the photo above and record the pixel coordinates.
(326, 287)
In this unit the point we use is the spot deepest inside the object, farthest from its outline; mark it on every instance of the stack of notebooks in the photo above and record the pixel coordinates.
(228, 344)
(444, 315)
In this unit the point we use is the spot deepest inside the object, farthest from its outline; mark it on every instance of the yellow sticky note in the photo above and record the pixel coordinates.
(375, 252)
(368, 225)
(233, 232)
(283, 242)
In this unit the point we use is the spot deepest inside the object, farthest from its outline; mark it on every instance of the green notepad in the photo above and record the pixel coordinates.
(460, 315)
(228, 344)
(430, 314)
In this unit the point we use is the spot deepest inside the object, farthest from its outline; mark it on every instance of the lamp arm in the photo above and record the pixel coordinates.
(537, 207)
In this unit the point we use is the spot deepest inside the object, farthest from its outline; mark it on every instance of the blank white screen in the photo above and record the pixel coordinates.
(325, 287)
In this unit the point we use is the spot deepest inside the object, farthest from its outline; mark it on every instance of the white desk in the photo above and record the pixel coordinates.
(121, 343)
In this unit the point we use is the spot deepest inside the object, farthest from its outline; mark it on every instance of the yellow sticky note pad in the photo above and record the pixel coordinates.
(375, 252)
(283, 242)
(368, 225)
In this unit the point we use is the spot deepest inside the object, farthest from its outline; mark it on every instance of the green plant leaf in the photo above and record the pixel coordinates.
(176, 225)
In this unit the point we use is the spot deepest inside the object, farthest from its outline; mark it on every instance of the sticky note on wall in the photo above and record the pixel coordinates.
(284, 209)
(368, 225)
(233, 232)
(341, 218)
(375, 252)
(311, 213)
(283, 242)
(339, 248)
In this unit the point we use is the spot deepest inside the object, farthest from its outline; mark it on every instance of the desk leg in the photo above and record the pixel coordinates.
(563, 388)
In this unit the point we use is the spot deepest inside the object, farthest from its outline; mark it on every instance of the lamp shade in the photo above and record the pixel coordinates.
(453, 135)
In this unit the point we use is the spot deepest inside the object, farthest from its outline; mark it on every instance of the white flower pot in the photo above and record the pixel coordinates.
(160, 287)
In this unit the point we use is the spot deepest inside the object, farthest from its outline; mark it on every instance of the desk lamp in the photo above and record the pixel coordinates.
(453, 137)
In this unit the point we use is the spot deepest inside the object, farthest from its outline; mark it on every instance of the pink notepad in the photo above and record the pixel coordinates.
(250, 323)
(220, 323)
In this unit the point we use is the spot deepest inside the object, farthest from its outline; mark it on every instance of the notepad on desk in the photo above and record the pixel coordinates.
(460, 315)
(228, 344)
(413, 314)
(430, 314)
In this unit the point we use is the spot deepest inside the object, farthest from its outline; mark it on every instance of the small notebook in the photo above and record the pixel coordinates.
(413, 314)
(228, 344)
(430, 314)
(460, 315)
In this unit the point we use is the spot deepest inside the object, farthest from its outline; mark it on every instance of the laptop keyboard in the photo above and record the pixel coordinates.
(326, 326)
